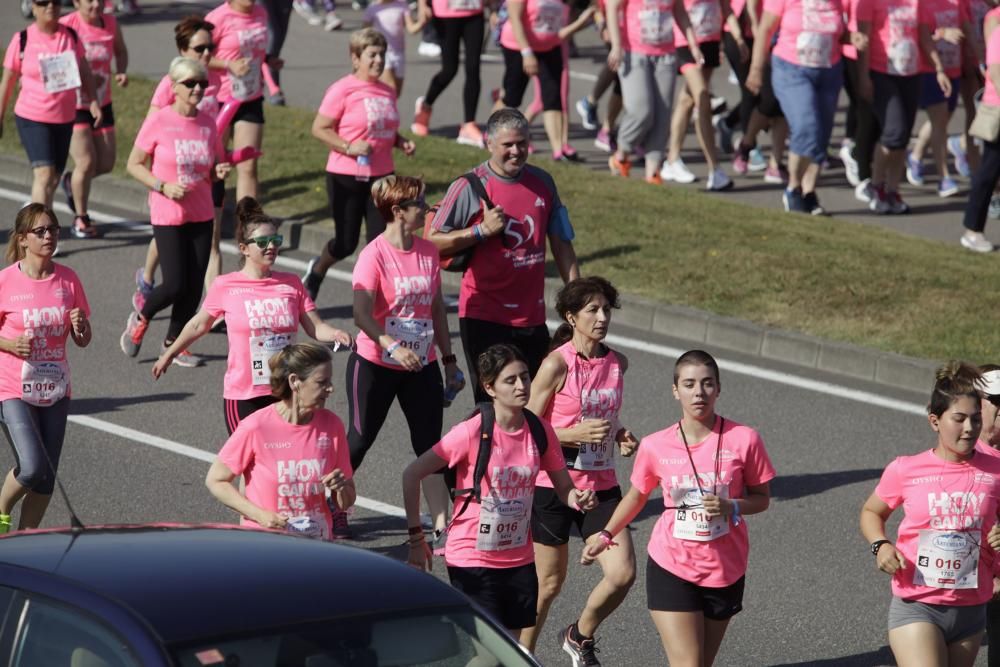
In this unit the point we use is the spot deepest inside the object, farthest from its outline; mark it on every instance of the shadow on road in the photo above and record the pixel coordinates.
(91, 406)
(790, 487)
(883, 656)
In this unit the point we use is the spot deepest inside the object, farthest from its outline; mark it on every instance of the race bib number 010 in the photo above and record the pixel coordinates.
(692, 523)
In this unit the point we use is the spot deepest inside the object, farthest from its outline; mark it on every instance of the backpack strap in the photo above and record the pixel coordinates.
(488, 419)
(538, 433)
(23, 38)
(477, 186)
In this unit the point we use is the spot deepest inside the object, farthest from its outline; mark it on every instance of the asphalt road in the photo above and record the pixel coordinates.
(314, 59)
(813, 595)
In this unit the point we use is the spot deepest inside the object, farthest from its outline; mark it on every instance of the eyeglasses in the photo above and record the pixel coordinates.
(191, 83)
(39, 232)
(995, 400)
(202, 48)
(264, 241)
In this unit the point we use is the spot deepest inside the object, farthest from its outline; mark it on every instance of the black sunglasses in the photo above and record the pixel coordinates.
(995, 400)
(422, 203)
(39, 232)
(191, 83)
(201, 48)
(264, 241)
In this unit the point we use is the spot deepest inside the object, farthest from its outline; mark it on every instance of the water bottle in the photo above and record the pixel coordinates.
(450, 393)
(364, 172)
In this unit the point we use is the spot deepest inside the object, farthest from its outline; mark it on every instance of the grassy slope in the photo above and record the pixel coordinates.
(828, 277)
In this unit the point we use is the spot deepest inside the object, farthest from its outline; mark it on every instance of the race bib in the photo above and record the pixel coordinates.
(465, 5)
(549, 19)
(310, 526)
(692, 523)
(414, 334)
(706, 19)
(656, 27)
(248, 86)
(598, 456)
(503, 524)
(43, 382)
(902, 59)
(947, 560)
(262, 348)
(814, 49)
(59, 72)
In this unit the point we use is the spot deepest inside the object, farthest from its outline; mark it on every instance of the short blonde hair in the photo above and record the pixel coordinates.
(362, 39)
(182, 69)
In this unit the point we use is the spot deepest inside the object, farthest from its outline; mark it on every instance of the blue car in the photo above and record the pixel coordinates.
(146, 596)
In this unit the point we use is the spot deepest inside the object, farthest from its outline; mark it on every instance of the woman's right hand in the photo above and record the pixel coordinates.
(591, 431)
(20, 346)
(529, 64)
(239, 66)
(162, 364)
(174, 191)
(359, 147)
(594, 547)
(420, 556)
(266, 519)
(889, 560)
(407, 358)
(755, 80)
(614, 59)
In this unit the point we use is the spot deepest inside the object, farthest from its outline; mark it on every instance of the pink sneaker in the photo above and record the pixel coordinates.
(421, 118)
(469, 135)
(740, 164)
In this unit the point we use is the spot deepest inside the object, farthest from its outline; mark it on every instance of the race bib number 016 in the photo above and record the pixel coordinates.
(503, 524)
(947, 560)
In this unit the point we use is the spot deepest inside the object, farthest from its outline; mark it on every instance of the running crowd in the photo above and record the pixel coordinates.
(506, 487)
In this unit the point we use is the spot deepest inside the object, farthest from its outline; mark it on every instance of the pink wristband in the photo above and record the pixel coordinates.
(607, 538)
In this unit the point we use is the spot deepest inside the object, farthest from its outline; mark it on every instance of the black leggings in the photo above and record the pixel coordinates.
(238, 410)
(897, 99)
(278, 14)
(984, 180)
(350, 201)
(371, 389)
(866, 126)
(184, 251)
(515, 81)
(477, 335)
(740, 116)
(467, 30)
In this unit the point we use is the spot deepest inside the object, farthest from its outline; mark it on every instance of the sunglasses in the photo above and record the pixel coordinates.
(995, 400)
(191, 83)
(202, 48)
(264, 241)
(422, 203)
(39, 232)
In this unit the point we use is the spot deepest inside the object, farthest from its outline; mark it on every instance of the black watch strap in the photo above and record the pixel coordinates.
(877, 544)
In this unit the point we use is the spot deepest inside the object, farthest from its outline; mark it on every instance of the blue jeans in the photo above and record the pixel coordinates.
(808, 97)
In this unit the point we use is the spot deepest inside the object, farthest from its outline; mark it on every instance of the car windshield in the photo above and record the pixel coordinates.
(451, 638)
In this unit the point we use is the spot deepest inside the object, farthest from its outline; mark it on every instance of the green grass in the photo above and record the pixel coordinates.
(826, 277)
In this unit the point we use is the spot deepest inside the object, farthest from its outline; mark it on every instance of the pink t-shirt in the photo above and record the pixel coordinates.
(388, 19)
(236, 36)
(505, 281)
(895, 43)
(706, 21)
(990, 95)
(452, 9)
(543, 19)
(99, 47)
(405, 283)
(362, 110)
(948, 508)
(283, 464)
(262, 317)
(52, 98)
(164, 96)
(987, 449)
(946, 14)
(648, 27)
(185, 150)
(810, 30)
(717, 556)
(593, 389)
(38, 309)
(502, 523)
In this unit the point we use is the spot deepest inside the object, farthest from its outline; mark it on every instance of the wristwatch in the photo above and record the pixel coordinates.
(877, 544)
(449, 359)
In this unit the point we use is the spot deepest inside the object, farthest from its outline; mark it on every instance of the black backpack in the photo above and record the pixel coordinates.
(538, 434)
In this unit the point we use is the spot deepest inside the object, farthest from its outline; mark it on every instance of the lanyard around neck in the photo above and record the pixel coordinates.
(718, 449)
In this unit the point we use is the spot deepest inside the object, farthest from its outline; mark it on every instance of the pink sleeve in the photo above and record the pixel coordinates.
(162, 94)
(146, 139)
(238, 452)
(454, 446)
(553, 458)
(79, 296)
(366, 276)
(775, 7)
(890, 487)
(342, 448)
(863, 11)
(993, 48)
(758, 468)
(11, 59)
(644, 477)
(332, 105)
(213, 303)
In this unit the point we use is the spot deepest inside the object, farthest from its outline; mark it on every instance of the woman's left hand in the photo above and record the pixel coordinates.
(944, 83)
(451, 379)
(408, 147)
(716, 506)
(222, 170)
(97, 113)
(78, 320)
(121, 79)
(336, 480)
(583, 499)
(627, 442)
(343, 338)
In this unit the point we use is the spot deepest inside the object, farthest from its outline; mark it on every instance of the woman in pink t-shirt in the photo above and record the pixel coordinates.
(263, 310)
(93, 145)
(402, 317)
(579, 389)
(41, 305)
(49, 61)
(359, 122)
(489, 553)
(292, 454)
(941, 562)
(177, 155)
(713, 472)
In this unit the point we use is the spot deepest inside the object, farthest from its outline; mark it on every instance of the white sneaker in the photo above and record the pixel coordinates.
(677, 172)
(976, 242)
(429, 50)
(307, 11)
(332, 22)
(718, 180)
(850, 165)
(863, 191)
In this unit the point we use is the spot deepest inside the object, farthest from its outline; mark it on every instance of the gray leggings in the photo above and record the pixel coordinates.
(30, 429)
(648, 97)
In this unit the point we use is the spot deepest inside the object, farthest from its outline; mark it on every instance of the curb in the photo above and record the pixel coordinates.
(688, 324)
